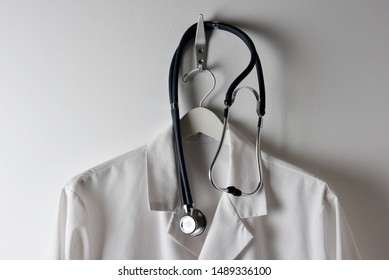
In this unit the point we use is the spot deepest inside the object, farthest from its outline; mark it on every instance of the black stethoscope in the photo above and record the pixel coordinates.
(193, 222)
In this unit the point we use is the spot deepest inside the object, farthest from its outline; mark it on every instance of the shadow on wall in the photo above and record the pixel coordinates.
(364, 205)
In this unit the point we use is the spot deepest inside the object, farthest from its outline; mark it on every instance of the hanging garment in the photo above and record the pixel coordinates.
(129, 208)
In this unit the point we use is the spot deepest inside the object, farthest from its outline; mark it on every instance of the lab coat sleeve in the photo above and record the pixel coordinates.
(70, 239)
(339, 238)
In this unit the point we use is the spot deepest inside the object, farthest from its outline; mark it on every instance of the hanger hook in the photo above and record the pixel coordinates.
(201, 57)
(186, 77)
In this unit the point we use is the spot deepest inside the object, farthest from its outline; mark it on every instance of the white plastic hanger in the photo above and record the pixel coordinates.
(201, 119)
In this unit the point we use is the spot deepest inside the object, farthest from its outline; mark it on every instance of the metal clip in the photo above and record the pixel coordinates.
(201, 44)
(201, 57)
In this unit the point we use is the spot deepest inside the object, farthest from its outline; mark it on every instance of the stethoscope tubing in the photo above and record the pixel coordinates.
(186, 197)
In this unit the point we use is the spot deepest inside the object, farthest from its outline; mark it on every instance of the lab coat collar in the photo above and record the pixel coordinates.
(226, 238)
(227, 231)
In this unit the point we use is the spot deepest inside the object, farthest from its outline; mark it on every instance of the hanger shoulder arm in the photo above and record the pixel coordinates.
(201, 120)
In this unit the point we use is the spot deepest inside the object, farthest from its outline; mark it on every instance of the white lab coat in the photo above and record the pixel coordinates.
(129, 208)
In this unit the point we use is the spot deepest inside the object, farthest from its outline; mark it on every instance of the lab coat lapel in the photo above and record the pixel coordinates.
(190, 243)
(162, 173)
(228, 235)
(226, 238)
(163, 188)
(243, 174)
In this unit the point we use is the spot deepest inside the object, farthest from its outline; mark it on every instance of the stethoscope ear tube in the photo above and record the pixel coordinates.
(233, 189)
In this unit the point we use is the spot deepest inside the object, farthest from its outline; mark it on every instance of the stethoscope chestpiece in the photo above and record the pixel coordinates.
(193, 223)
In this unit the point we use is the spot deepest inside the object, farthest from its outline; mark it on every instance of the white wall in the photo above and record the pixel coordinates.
(84, 81)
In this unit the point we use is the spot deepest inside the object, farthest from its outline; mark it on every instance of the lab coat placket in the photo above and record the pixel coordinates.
(227, 235)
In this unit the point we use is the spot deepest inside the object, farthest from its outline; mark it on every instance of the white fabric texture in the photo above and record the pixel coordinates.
(129, 208)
